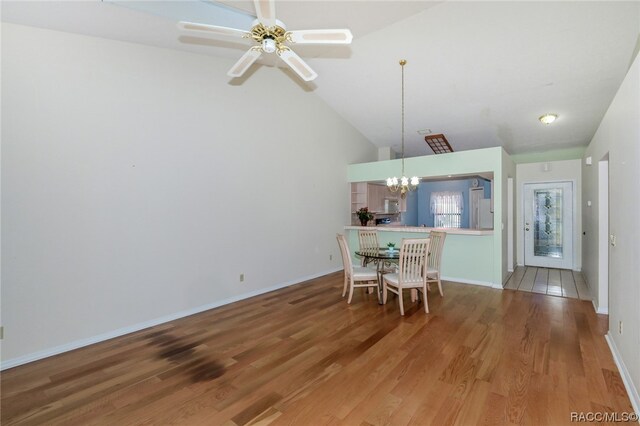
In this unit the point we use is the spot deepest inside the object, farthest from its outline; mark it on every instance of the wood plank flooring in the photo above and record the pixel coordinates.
(554, 282)
(302, 356)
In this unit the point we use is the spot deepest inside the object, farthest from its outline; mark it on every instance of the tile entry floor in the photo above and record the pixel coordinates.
(554, 282)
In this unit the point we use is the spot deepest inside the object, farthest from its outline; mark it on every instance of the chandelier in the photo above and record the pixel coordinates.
(403, 185)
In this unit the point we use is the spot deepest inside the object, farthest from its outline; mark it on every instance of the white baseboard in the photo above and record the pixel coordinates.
(603, 311)
(10, 363)
(473, 282)
(626, 377)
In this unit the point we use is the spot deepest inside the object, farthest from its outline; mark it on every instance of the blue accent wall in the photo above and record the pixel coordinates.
(410, 217)
(487, 188)
(418, 203)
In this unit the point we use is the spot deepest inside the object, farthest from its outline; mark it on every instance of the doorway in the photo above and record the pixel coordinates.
(475, 195)
(548, 225)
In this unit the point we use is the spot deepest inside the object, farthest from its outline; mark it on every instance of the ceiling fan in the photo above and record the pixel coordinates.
(271, 35)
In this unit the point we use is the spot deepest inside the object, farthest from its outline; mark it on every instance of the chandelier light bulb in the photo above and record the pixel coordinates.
(415, 181)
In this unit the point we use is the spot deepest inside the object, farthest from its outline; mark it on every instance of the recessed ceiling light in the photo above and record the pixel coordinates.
(548, 118)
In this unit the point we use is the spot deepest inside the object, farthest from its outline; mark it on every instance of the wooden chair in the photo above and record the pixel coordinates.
(355, 276)
(412, 271)
(435, 256)
(368, 242)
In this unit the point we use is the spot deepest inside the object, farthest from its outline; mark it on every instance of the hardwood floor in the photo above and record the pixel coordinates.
(302, 356)
(554, 282)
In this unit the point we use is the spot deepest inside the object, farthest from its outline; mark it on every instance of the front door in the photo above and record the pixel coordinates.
(548, 225)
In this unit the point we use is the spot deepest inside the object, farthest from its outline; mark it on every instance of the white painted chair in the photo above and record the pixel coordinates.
(412, 271)
(355, 276)
(368, 243)
(435, 256)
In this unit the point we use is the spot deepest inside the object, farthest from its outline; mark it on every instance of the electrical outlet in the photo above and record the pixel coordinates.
(241, 277)
(619, 327)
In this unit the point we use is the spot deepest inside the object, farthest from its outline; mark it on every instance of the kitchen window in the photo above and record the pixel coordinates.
(446, 208)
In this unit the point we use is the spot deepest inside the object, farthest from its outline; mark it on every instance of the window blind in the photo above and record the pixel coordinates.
(447, 208)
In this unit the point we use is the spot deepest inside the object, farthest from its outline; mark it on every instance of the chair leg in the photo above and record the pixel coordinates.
(384, 292)
(440, 285)
(414, 295)
(346, 283)
(400, 301)
(350, 290)
(426, 302)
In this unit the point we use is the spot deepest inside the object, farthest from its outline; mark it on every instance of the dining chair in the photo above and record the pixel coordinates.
(412, 271)
(368, 242)
(435, 256)
(354, 276)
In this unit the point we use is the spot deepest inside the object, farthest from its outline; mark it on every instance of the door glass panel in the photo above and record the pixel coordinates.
(547, 227)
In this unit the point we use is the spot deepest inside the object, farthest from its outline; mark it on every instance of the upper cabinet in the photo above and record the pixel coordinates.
(373, 196)
(359, 196)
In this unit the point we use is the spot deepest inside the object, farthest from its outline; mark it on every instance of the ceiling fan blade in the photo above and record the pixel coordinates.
(266, 12)
(244, 62)
(298, 65)
(341, 36)
(212, 29)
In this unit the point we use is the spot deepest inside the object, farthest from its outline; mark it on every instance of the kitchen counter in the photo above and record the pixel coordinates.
(422, 229)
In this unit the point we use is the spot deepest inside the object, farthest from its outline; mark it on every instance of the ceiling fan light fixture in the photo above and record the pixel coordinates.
(548, 118)
(268, 45)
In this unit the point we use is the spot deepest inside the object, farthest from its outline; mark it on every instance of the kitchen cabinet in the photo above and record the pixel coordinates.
(359, 196)
(373, 196)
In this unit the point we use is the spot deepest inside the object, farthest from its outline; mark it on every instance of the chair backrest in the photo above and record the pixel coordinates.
(344, 250)
(435, 248)
(368, 241)
(413, 260)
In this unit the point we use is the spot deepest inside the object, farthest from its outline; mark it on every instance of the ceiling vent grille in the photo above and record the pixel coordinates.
(438, 144)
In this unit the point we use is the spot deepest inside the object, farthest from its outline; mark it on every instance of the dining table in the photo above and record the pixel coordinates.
(381, 257)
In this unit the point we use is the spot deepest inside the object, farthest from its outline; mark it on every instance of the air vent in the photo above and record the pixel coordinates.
(438, 144)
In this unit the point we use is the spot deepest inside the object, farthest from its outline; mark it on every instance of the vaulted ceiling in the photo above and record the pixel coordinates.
(479, 72)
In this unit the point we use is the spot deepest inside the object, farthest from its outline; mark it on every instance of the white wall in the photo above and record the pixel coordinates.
(566, 170)
(619, 136)
(137, 183)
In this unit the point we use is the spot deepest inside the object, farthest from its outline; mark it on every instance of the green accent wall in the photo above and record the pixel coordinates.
(554, 155)
(468, 257)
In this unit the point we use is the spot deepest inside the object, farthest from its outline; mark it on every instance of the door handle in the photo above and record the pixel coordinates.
(526, 229)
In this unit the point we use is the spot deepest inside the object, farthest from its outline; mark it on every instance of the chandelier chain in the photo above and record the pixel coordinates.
(405, 184)
(402, 63)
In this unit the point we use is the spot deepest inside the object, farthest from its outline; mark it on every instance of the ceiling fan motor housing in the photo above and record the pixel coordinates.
(270, 38)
